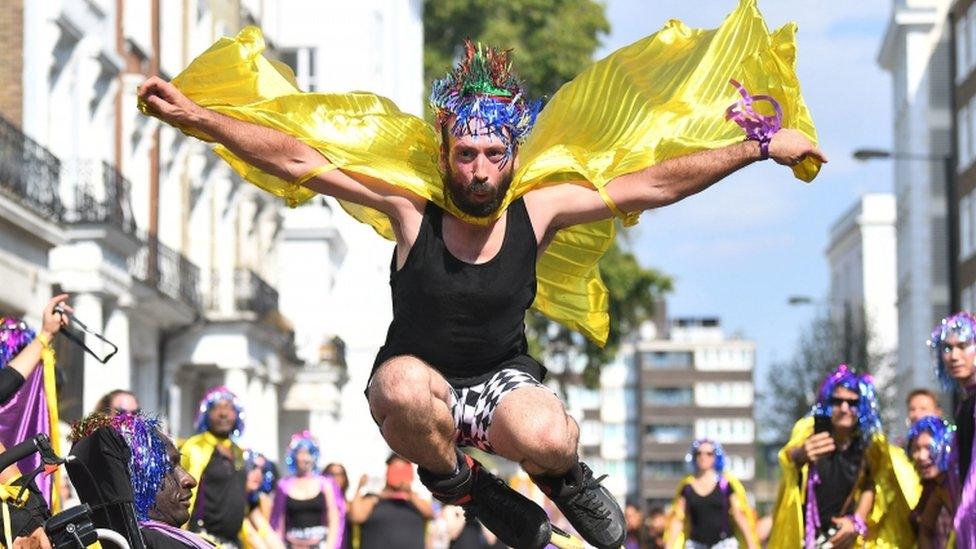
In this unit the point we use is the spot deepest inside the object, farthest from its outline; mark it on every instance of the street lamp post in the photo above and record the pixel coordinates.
(952, 210)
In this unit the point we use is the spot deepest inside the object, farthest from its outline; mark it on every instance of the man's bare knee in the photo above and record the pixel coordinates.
(401, 384)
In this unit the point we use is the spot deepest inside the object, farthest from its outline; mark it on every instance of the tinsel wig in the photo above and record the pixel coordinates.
(302, 441)
(212, 397)
(963, 326)
(943, 434)
(716, 447)
(149, 462)
(481, 96)
(868, 414)
(14, 336)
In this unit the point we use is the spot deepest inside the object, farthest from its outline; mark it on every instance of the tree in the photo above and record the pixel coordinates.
(791, 385)
(553, 41)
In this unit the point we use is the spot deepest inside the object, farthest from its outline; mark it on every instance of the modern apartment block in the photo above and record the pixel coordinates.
(692, 382)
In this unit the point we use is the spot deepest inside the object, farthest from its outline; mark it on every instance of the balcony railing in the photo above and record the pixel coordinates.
(168, 271)
(100, 193)
(29, 173)
(252, 293)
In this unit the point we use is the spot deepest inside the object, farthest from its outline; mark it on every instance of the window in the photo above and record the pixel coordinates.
(661, 470)
(965, 227)
(962, 48)
(302, 61)
(668, 396)
(669, 433)
(666, 360)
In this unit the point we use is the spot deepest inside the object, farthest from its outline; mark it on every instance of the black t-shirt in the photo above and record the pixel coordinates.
(393, 524)
(838, 472)
(10, 382)
(709, 514)
(965, 428)
(221, 498)
(158, 540)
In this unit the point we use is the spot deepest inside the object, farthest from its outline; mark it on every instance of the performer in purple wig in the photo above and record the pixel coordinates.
(219, 504)
(954, 343)
(930, 447)
(129, 472)
(28, 401)
(309, 509)
(842, 482)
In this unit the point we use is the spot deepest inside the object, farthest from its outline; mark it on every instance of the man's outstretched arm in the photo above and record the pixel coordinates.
(667, 182)
(272, 151)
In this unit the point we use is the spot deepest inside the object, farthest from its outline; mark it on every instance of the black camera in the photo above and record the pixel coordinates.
(71, 528)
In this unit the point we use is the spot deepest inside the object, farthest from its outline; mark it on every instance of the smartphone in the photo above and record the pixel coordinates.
(821, 424)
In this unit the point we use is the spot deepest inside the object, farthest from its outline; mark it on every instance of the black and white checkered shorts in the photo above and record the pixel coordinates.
(473, 407)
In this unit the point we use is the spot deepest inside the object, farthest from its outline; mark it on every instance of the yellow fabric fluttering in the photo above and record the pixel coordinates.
(897, 491)
(659, 98)
(738, 492)
(51, 394)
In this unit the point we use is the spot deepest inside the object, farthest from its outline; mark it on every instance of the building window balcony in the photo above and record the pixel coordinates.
(100, 194)
(168, 271)
(29, 173)
(253, 293)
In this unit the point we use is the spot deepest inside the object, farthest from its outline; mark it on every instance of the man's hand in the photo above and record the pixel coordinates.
(816, 446)
(846, 534)
(789, 147)
(169, 103)
(37, 540)
(54, 317)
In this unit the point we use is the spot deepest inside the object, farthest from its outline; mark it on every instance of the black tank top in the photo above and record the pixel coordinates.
(463, 319)
(709, 514)
(305, 513)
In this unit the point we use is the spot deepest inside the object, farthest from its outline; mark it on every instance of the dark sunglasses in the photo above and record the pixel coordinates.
(79, 338)
(704, 453)
(851, 402)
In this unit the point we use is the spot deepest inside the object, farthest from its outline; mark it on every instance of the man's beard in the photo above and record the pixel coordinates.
(460, 192)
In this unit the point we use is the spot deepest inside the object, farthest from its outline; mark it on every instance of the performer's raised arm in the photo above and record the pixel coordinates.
(667, 182)
(272, 151)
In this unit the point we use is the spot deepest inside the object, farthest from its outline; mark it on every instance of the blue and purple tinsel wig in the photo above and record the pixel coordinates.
(302, 441)
(716, 446)
(869, 416)
(963, 326)
(14, 336)
(943, 435)
(213, 396)
(149, 462)
(484, 97)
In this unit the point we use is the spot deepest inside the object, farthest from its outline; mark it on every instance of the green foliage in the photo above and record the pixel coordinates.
(553, 39)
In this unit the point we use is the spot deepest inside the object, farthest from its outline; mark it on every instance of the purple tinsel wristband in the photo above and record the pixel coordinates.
(859, 525)
(758, 127)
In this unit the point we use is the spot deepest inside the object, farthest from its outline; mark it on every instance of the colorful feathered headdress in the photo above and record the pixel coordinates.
(943, 434)
(212, 397)
(868, 414)
(149, 462)
(716, 447)
(14, 336)
(483, 88)
(302, 441)
(963, 326)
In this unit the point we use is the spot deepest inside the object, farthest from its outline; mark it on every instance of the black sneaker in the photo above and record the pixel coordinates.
(589, 507)
(515, 519)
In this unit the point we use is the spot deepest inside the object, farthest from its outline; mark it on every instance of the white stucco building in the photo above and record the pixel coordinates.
(916, 53)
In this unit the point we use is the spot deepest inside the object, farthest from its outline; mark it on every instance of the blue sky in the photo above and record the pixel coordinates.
(741, 248)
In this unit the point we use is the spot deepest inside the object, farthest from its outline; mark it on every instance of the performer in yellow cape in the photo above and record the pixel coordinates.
(218, 502)
(693, 523)
(499, 208)
(860, 490)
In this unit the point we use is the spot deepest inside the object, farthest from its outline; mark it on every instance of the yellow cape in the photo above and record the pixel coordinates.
(896, 486)
(660, 97)
(739, 493)
(196, 452)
